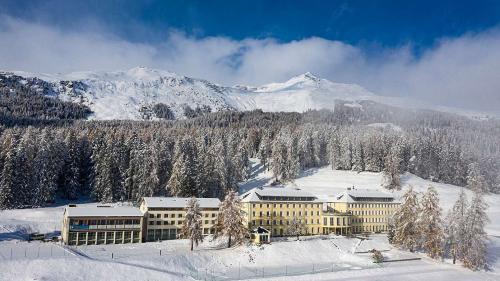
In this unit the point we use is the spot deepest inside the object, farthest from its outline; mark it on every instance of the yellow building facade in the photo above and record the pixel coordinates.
(164, 216)
(270, 209)
(352, 211)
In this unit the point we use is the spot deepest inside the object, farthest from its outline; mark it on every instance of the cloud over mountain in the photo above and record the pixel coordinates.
(460, 71)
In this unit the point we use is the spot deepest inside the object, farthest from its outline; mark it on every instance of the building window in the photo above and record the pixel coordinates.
(179, 215)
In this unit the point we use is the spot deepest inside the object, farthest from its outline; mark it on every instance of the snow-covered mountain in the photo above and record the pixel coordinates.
(133, 93)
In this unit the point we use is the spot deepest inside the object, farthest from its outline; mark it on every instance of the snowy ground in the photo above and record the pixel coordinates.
(313, 258)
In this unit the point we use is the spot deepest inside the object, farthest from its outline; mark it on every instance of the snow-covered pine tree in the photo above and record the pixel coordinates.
(264, 152)
(296, 227)
(475, 180)
(475, 237)
(71, 175)
(183, 179)
(279, 156)
(230, 221)
(334, 151)
(8, 198)
(391, 229)
(406, 233)
(293, 162)
(392, 168)
(455, 228)
(430, 224)
(192, 225)
(48, 165)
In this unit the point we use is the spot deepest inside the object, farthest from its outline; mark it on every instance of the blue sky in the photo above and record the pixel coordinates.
(445, 52)
(379, 23)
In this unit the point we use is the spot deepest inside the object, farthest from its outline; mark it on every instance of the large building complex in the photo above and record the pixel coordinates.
(352, 211)
(270, 209)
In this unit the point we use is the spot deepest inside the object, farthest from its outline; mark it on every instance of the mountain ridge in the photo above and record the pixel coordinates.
(132, 94)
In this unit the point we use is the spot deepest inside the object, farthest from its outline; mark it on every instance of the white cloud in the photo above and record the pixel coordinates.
(459, 71)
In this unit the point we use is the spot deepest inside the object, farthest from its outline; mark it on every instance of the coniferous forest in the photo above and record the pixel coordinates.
(208, 155)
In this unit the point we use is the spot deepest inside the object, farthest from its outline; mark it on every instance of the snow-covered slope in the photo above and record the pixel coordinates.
(132, 94)
(303, 92)
(122, 94)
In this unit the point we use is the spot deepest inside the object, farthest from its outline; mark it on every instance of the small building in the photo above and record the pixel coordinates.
(260, 235)
(165, 216)
(101, 224)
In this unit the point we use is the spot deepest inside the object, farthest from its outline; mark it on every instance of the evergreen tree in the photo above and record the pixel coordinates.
(406, 233)
(430, 224)
(230, 223)
(392, 168)
(456, 227)
(192, 225)
(296, 227)
(8, 198)
(183, 180)
(475, 237)
(475, 180)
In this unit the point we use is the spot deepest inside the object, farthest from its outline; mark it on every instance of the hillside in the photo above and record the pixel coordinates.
(133, 94)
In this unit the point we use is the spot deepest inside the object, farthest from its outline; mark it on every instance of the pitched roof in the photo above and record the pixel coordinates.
(103, 211)
(179, 202)
(356, 195)
(257, 194)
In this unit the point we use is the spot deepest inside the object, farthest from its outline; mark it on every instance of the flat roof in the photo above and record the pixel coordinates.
(179, 202)
(257, 193)
(103, 211)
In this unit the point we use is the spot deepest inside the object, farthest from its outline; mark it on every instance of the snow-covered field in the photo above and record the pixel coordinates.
(313, 258)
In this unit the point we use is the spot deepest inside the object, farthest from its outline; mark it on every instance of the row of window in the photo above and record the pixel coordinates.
(275, 205)
(104, 237)
(340, 221)
(178, 222)
(280, 213)
(159, 216)
(361, 220)
(280, 222)
(104, 222)
(371, 228)
(371, 205)
(372, 212)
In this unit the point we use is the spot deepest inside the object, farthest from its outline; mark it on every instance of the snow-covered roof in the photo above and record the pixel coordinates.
(357, 195)
(179, 202)
(276, 193)
(103, 211)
